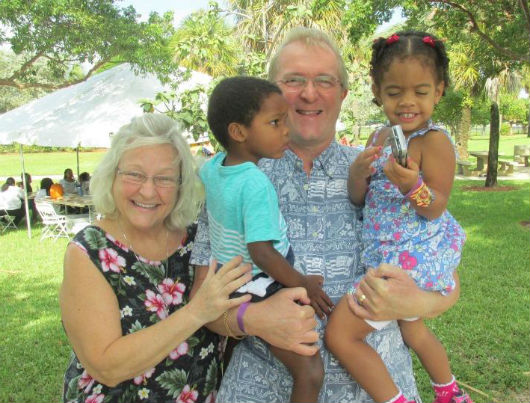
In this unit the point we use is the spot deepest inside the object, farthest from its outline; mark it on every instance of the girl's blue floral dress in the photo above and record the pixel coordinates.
(429, 250)
(148, 293)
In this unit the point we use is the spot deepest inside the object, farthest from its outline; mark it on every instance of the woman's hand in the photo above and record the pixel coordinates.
(282, 322)
(211, 300)
(403, 178)
(391, 294)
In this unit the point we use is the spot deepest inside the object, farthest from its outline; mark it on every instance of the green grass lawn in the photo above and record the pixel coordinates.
(54, 163)
(486, 334)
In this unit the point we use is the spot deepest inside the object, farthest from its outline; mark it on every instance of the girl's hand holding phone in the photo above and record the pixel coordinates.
(403, 178)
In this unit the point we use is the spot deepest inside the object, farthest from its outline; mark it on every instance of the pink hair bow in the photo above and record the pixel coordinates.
(429, 41)
(391, 39)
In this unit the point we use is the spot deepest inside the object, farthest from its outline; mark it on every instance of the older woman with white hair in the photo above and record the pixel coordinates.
(125, 297)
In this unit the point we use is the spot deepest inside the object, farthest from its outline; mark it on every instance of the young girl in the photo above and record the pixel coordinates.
(405, 218)
(248, 118)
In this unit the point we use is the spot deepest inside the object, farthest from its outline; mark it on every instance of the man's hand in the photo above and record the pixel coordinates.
(282, 322)
(391, 294)
(320, 301)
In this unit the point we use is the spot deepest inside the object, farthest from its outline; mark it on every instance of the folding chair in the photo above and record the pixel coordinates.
(54, 224)
(6, 221)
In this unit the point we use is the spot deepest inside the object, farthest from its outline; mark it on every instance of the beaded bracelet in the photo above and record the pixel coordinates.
(227, 327)
(420, 194)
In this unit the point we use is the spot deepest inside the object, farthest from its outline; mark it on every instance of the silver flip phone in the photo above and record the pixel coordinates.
(398, 143)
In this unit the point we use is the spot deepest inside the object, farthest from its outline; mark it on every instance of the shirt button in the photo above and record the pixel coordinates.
(315, 234)
(315, 209)
(306, 186)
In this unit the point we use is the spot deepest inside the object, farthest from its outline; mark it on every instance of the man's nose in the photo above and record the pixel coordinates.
(309, 92)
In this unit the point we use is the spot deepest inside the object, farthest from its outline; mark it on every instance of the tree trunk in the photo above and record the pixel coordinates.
(528, 125)
(464, 128)
(493, 153)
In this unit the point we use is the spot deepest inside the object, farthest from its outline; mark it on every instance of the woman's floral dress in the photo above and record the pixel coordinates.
(147, 294)
(429, 250)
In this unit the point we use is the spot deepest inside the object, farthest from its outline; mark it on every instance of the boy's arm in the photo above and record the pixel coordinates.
(268, 259)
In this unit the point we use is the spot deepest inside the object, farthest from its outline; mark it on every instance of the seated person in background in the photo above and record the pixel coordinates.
(68, 182)
(29, 191)
(44, 191)
(56, 191)
(84, 181)
(11, 198)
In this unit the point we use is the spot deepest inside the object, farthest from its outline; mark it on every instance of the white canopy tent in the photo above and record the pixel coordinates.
(85, 114)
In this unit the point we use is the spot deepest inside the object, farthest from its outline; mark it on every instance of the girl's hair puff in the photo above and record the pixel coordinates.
(409, 44)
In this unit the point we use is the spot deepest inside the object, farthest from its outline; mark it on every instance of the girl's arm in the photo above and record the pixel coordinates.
(434, 155)
(279, 320)
(275, 265)
(91, 318)
(360, 171)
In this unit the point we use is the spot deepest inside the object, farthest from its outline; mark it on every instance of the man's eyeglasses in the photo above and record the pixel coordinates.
(138, 178)
(296, 83)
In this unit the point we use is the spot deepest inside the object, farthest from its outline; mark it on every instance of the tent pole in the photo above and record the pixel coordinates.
(26, 204)
(77, 153)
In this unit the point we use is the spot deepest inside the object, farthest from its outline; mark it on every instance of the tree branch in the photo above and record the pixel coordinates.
(483, 35)
(12, 82)
(526, 12)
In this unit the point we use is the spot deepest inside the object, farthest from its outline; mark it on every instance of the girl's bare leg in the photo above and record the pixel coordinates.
(345, 334)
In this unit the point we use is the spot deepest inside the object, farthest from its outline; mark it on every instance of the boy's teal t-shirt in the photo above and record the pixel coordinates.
(242, 208)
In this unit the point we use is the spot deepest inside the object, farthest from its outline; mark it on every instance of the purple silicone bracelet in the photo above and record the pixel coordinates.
(415, 187)
(240, 312)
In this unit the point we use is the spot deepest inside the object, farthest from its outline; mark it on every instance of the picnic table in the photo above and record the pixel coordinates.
(74, 200)
(521, 151)
(482, 159)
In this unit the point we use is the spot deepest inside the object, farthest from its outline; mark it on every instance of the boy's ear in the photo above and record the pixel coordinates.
(237, 132)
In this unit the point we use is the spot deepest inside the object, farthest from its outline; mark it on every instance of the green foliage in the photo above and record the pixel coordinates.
(186, 106)
(54, 35)
(205, 42)
(514, 109)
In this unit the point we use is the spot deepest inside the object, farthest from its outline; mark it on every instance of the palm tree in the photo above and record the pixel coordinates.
(205, 42)
(261, 24)
(466, 75)
(509, 81)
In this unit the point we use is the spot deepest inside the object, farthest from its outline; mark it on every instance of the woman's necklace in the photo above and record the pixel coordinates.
(131, 248)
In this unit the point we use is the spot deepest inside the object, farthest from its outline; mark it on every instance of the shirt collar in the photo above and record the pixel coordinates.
(328, 161)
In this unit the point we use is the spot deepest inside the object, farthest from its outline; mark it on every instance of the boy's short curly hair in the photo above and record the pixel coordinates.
(236, 100)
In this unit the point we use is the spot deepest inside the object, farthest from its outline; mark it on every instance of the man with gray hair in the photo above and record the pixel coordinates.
(324, 231)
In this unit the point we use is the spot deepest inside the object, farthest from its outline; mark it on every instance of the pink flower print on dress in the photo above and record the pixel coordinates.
(155, 303)
(181, 350)
(85, 382)
(397, 236)
(377, 226)
(407, 261)
(138, 380)
(187, 395)
(98, 398)
(171, 291)
(110, 260)
(211, 397)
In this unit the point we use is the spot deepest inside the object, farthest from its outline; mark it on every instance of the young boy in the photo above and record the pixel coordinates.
(248, 118)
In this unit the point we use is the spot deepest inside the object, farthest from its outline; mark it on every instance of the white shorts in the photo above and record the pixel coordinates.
(381, 324)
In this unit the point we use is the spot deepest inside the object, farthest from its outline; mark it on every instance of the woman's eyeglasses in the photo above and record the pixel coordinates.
(138, 178)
